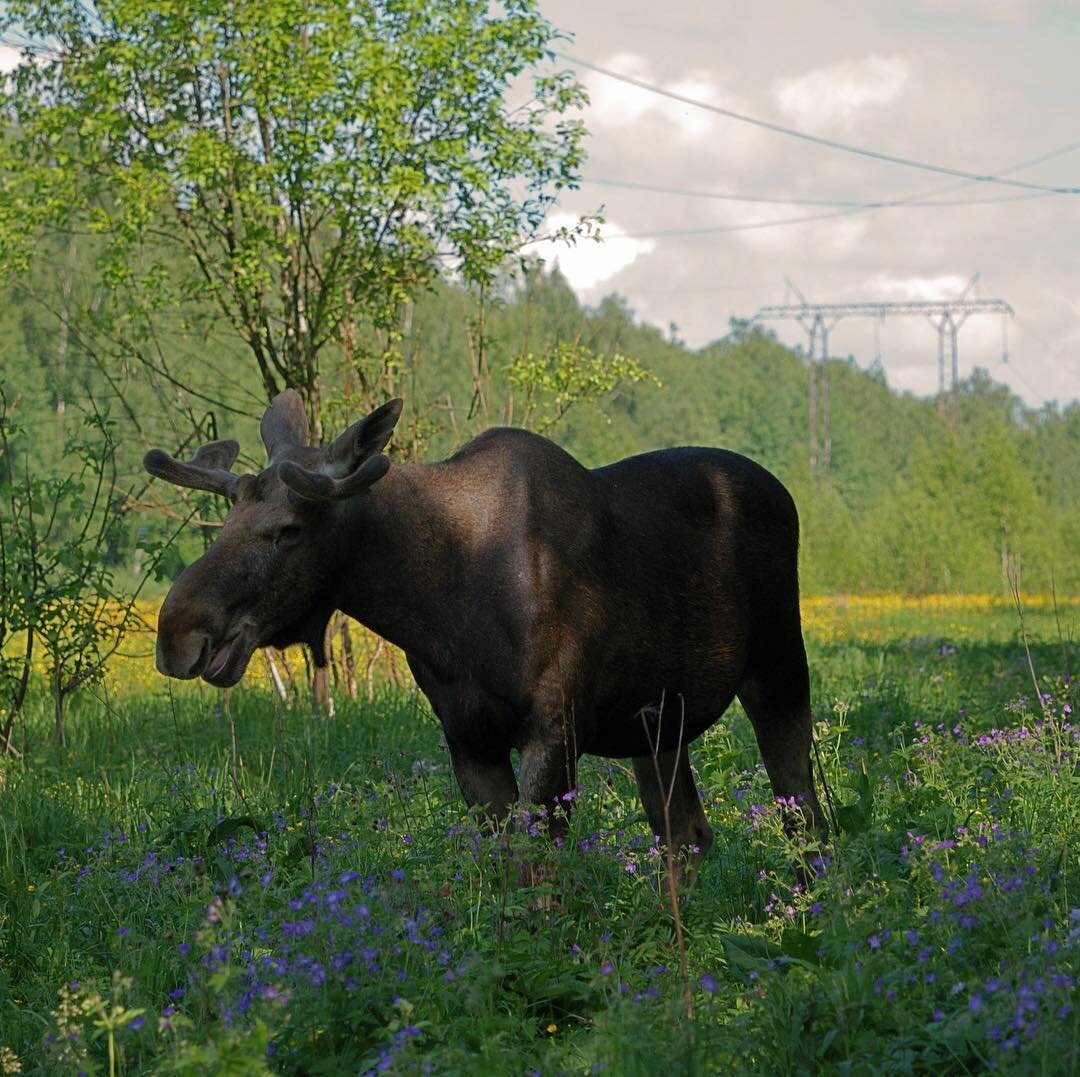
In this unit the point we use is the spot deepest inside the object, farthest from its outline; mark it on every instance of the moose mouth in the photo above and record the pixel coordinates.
(226, 665)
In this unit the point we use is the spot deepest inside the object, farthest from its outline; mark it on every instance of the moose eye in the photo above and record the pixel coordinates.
(288, 535)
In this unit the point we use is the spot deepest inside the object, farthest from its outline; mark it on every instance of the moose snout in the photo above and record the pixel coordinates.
(182, 656)
(185, 634)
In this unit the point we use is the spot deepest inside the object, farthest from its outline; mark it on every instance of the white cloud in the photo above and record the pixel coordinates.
(886, 286)
(617, 103)
(620, 105)
(9, 58)
(837, 94)
(588, 262)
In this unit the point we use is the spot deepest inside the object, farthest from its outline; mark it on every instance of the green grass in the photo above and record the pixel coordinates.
(328, 907)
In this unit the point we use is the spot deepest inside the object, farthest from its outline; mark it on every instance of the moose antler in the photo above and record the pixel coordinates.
(351, 464)
(317, 486)
(207, 470)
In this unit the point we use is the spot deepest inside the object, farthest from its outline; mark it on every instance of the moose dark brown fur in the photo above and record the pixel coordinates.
(542, 606)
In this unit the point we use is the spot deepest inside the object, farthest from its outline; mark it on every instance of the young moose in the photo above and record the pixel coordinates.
(541, 606)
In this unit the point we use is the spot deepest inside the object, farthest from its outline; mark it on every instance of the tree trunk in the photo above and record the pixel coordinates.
(275, 675)
(348, 658)
(58, 710)
(18, 697)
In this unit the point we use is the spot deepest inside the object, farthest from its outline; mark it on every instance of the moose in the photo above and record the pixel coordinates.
(542, 606)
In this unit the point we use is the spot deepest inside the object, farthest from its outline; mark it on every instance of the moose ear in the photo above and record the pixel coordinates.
(362, 440)
(285, 423)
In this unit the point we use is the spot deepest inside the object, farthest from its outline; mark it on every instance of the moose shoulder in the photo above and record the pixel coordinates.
(542, 606)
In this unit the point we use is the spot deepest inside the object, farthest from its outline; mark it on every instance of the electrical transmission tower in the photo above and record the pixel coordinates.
(818, 319)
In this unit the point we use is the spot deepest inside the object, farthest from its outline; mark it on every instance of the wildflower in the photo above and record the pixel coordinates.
(708, 984)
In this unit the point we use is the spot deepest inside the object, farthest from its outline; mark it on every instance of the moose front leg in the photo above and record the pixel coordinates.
(487, 781)
(548, 773)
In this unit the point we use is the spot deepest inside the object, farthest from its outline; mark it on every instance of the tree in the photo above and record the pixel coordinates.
(316, 162)
(56, 583)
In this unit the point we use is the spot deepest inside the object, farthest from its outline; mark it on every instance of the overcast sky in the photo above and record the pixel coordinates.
(975, 85)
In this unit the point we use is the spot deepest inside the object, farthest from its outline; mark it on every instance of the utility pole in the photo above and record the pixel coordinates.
(817, 319)
(817, 328)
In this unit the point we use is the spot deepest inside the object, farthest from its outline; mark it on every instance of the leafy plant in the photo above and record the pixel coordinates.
(56, 531)
(316, 165)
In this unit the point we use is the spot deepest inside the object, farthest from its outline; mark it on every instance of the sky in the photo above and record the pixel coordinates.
(975, 85)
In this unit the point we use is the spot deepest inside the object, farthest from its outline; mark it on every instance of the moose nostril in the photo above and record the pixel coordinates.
(185, 657)
(201, 658)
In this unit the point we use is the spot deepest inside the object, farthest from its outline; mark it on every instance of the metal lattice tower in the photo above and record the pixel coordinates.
(817, 319)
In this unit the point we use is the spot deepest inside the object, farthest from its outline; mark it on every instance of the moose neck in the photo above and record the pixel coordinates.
(403, 560)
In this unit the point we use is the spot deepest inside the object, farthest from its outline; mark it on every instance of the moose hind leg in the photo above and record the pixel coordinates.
(777, 702)
(691, 835)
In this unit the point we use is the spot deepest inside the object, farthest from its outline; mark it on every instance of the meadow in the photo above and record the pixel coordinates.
(227, 884)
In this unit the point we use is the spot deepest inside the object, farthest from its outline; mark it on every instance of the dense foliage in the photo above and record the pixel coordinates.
(300, 170)
(918, 500)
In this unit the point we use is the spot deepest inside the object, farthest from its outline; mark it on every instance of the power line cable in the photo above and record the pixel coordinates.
(830, 143)
(914, 199)
(781, 200)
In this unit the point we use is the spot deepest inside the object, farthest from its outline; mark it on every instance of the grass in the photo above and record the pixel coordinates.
(320, 902)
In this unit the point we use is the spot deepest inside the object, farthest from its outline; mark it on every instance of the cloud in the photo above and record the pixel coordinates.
(588, 262)
(9, 59)
(836, 95)
(942, 286)
(621, 106)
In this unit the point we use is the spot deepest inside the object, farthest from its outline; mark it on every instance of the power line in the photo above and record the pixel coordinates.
(914, 199)
(781, 200)
(791, 132)
(746, 226)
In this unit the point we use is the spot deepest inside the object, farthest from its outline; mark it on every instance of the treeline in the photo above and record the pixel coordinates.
(919, 498)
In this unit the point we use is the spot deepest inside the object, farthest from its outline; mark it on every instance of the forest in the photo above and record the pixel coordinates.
(922, 496)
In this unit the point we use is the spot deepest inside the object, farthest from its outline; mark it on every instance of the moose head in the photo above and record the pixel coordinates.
(268, 578)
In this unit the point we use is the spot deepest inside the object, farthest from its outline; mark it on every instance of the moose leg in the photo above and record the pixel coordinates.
(487, 781)
(778, 705)
(548, 773)
(691, 835)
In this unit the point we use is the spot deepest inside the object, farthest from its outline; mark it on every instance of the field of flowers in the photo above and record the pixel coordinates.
(232, 884)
